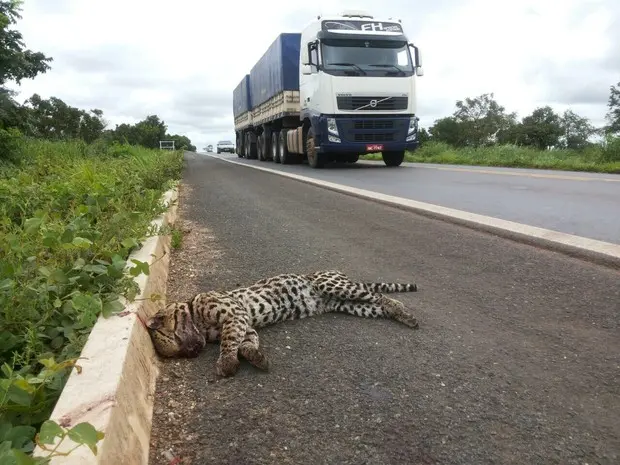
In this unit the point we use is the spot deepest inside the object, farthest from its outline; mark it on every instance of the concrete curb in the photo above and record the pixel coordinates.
(595, 251)
(115, 391)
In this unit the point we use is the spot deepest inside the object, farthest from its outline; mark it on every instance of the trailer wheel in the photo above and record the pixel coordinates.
(283, 155)
(393, 158)
(250, 147)
(315, 159)
(275, 149)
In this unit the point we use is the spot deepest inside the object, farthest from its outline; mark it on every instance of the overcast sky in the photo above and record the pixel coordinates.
(181, 60)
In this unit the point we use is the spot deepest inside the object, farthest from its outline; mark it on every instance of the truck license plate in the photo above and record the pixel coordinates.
(374, 147)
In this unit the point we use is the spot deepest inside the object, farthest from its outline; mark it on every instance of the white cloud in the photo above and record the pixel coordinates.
(182, 60)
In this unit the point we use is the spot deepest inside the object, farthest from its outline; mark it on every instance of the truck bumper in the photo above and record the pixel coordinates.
(366, 134)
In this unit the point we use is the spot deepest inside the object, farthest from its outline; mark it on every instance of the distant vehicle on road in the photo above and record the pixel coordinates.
(209, 148)
(343, 87)
(225, 146)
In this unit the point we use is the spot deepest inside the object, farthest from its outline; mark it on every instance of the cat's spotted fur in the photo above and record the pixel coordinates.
(183, 328)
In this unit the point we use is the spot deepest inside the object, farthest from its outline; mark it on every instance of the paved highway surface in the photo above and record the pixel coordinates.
(584, 204)
(517, 359)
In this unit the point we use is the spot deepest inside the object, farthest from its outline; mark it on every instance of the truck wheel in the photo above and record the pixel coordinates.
(275, 151)
(315, 159)
(239, 145)
(260, 148)
(283, 155)
(250, 147)
(393, 158)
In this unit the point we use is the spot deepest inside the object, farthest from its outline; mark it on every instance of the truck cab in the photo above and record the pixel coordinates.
(357, 88)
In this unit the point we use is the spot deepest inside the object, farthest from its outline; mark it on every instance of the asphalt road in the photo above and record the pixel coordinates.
(584, 204)
(517, 359)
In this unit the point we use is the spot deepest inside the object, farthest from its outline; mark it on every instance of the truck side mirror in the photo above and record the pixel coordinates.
(417, 60)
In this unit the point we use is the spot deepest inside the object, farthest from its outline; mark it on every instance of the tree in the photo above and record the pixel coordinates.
(181, 142)
(55, 120)
(423, 136)
(542, 129)
(482, 119)
(16, 62)
(576, 130)
(613, 115)
(448, 130)
(147, 133)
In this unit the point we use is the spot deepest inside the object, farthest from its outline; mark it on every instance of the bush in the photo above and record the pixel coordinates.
(611, 150)
(596, 157)
(69, 217)
(10, 144)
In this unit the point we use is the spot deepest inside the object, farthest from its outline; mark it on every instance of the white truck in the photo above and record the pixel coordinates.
(343, 87)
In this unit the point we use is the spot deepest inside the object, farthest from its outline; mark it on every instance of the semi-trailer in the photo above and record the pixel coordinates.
(344, 86)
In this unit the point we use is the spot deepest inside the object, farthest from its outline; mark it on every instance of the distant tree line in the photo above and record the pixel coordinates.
(54, 119)
(481, 121)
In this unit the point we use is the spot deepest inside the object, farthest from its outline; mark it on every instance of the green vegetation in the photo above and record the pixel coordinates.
(70, 214)
(601, 158)
(480, 132)
(75, 200)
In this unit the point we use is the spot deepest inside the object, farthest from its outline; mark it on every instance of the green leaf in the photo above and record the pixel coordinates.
(7, 457)
(4, 429)
(45, 271)
(112, 307)
(86, 303)
(57, 342)
(141, 267)
(20, 436)
(8, 372)
(32, 225)
(50, 430)
(50, 240)
(19, 393)
(67, 236)
(21, 458)
(81, 242)
(129, 243)
(79, 264)
(8, 341)
(59, 276)
(6, 285)
(97, 269)
(84, 433)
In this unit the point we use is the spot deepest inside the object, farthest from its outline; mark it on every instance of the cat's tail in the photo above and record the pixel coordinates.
(392, 287)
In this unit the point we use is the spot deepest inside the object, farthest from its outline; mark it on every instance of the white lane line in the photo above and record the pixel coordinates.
(606, 252)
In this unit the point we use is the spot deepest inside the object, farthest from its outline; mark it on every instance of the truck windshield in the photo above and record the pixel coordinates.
(371, 57)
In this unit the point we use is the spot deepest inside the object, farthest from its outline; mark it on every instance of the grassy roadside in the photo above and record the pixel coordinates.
(70, 214)
(594, 159)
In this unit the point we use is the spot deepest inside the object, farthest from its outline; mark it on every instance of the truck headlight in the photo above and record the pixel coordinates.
(332, 127)
(413, 125)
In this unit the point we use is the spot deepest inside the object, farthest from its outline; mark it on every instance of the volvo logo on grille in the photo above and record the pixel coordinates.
(373, 103)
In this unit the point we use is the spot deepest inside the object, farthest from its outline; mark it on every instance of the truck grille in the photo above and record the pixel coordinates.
(381, 103)
(374, 137)
(373, 130)
(373, 124)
